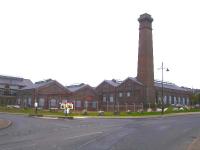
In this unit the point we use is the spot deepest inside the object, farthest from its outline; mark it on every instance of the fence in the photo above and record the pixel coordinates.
(95, 106)
(119, 108)
(87, 105)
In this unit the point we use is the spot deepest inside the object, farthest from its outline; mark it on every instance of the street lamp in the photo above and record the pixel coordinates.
(166, 69)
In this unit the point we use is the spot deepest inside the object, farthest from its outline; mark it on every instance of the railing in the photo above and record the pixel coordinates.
(8, 92)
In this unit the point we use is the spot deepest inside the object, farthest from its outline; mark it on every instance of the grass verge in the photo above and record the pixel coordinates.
(59, 113)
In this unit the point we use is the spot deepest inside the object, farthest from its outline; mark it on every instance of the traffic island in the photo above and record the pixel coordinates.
(195, 145)
(35, 115)
(66, 117)
(4, 123)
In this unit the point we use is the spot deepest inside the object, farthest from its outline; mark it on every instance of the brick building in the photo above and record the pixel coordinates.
(9, 87)
(172, 94)
(48, 93)
(142, 89)
(83, 97)
(107, 93)
(130, 91)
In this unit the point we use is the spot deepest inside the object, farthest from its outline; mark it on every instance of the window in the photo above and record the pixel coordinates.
(86, 104)
(13, 92)
(179, 100)
(94, 104)
(165, 99)
(120, 94)
(18, 101)
(159, 100)
(183, 101)
(174, 100)
(25, 102)
(1, 91)
(104, 98)
(170, 100)
(52, 103)
(7, 90)
(78, 103)
(41, 102)
(128, 94)
(111, 99)
(29, 101)
(7, 86)
(188, 101)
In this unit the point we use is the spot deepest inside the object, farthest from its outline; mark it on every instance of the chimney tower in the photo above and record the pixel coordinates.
(145, 72)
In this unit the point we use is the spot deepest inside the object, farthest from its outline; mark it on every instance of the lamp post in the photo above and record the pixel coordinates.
(166, 69)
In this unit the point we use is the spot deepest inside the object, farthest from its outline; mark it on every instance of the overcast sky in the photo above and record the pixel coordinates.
(89, 41)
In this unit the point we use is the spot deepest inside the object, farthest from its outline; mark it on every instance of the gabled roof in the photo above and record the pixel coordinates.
(39, 84)
(114, 83)
(44, 83)
(15, 81)
(76, 87)
(133, 79)
(169, 85)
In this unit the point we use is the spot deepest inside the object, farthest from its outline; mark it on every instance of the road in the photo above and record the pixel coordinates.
(164, 133)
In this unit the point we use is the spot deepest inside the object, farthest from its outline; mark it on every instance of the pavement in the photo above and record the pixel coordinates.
(4, 123)
(47, 133)
(195, 145)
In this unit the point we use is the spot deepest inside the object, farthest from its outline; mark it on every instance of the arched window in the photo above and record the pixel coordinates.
(41, 102)
(53, 103)
(170, 100)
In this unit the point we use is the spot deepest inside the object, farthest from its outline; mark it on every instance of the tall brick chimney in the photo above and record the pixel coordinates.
(145, 73)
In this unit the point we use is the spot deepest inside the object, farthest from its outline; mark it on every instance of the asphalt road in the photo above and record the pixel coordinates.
(166, 133)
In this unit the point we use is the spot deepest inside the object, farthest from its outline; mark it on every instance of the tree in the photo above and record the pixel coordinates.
(195, 98)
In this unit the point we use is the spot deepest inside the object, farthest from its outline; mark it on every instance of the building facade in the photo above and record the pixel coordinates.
(48, 94)
(172, 94)
(143, 90)
(107, 94)
(83, 97)
(9, 88)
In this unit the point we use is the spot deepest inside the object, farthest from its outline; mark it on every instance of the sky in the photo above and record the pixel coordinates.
(88, 41)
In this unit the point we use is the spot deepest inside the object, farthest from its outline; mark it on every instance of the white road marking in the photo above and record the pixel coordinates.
(90, 141)
(21, 146)
(47, 118)
(78, 136)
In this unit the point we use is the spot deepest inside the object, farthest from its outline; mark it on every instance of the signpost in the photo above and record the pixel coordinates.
(67, 107)
(36, 106)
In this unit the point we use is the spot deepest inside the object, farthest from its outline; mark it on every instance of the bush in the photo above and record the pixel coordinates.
(84, 112)
(129, 111)
(116, 113)
(100, 113)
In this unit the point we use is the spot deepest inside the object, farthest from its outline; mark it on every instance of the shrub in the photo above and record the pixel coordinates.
(84, 112)
(101, 113)
(116, 113)
(129, 111)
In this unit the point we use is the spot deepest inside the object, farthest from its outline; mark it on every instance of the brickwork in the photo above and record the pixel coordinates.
(86, 95)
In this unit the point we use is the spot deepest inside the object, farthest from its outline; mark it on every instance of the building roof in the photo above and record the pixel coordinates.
(134, 79)
(168, 85)
(43, 84)
(76, 87)
(39, 84)
(15, 81)
(113, 82)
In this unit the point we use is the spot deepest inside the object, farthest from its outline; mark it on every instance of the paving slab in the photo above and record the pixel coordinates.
(195, 144)
(4, 123)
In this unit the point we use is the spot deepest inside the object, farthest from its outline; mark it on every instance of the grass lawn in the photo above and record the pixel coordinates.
(31, 111)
